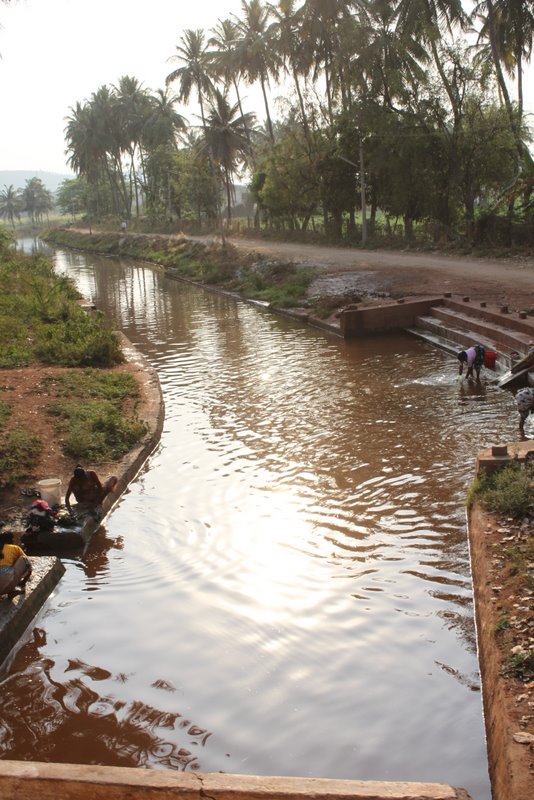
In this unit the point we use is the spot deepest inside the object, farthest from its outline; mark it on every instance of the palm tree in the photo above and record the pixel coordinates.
(10, 204)
(226, 137)
(427, 21)
(37, 199)
(257, 57)
(503, 38)
(194, 72)
(162, 123)
(159, 144)
(224, 57)
(290, 44)
(132, 105)
(321, 28)
(508, 26)
(387, 60)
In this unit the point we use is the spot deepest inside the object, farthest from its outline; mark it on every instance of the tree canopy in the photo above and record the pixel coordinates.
(385, 105)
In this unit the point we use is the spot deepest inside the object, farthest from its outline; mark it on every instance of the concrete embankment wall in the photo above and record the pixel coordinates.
(16, 614)
(26, 781)
(386, 317)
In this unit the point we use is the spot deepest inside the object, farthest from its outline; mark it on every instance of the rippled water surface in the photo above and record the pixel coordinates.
(285, 588)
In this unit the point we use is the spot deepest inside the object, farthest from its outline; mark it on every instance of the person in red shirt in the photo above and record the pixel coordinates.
(15, 567)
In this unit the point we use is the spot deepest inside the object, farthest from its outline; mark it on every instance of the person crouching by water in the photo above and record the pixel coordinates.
(15, 566)
(525, 405)
(87, 488)
(473, 358)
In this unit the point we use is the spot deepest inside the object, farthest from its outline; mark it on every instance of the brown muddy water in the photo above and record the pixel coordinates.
(285, 587)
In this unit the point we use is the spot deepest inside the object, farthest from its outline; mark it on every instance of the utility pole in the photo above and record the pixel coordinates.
(362, 189)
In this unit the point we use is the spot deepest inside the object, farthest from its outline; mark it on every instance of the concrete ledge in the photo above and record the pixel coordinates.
(492, 458)
(25, 781)
(16, 614)
(385, 318)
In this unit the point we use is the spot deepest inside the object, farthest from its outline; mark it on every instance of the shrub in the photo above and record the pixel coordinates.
(282, 285)
(508, 490)
(520, 666)
(77, 342)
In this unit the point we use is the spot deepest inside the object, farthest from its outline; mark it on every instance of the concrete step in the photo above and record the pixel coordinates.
(498, 316)
(503, 338)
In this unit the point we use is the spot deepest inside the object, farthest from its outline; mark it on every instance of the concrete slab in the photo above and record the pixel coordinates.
(492, 458)
(25, 781)
(17, 613)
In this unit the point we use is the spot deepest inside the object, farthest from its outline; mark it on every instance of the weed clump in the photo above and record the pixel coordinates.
(508, 491)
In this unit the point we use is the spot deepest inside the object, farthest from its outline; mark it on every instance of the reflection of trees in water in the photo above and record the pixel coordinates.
(70, 722)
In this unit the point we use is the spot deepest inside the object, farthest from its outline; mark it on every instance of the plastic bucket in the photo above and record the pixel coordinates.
(490, 357)
(50, 490)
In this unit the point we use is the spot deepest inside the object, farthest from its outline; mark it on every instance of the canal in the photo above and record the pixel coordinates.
(284, 589)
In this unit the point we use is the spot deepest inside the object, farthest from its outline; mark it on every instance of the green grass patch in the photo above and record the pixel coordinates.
(94, 383)
(90, 414)
(503, 623)
(41, 320)
(96, 430)
(5, 413)
(18, 452)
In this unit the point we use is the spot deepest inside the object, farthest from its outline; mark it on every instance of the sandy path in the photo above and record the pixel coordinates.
(509, 281)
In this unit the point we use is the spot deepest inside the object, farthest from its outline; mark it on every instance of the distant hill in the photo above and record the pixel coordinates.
(18, 177)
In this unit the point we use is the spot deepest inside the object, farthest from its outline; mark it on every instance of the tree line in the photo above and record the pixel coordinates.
(396, 115)
(35, 200)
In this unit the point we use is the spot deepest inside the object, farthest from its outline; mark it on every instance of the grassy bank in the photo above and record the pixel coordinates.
(91, 410)
(508, 494)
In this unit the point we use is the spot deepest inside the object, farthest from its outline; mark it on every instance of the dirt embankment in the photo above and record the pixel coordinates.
(507, 280)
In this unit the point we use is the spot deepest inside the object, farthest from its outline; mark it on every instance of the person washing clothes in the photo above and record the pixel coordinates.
(525, 405)
(473, 358)
(87, 488)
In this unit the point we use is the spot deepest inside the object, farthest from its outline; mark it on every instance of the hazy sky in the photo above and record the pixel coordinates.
(54, 53)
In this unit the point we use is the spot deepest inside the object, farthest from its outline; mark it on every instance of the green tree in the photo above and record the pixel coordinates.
(285, 186)
(71, 196)
(37, 200)
(194, 192)
(11, 204)
(226, 138)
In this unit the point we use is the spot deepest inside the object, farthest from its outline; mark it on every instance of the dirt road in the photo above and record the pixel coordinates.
(507, 281)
